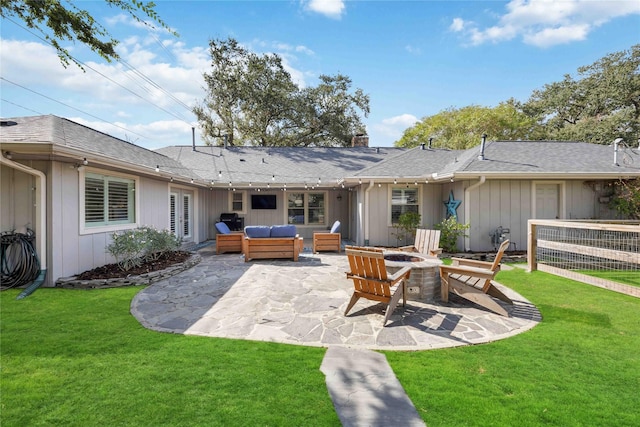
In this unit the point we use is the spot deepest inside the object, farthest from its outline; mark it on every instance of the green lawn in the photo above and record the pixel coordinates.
(626, 277)
(78, 358)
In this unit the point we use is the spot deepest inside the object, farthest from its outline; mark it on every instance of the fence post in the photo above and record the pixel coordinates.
(532, 246)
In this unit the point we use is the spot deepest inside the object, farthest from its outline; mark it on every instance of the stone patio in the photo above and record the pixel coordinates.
(303, 303)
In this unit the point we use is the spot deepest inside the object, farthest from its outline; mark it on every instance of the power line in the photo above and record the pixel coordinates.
(22, 106)
(137, 72)
(73, 108)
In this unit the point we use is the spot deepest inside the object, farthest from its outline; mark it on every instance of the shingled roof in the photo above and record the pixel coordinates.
(277, 165)
(532, 157)
(56, 137)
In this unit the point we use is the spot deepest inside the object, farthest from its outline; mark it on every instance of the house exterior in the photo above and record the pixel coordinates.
(75, 186)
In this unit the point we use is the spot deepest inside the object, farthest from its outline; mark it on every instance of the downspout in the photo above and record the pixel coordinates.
(41, 212)
(467, 208)
(367, 213)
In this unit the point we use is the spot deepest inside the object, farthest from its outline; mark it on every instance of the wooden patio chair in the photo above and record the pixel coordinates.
(427, 242)
(371, 281)
(473, 280)
(327, 240)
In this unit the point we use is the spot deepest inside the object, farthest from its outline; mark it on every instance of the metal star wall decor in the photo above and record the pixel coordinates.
(452, 206)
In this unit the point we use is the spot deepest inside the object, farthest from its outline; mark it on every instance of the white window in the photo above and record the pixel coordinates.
(306, 208)
(108, 202)
(403, 200)
(238, 202)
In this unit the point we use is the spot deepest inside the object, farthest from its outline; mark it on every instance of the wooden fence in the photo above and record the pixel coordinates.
(566, 248)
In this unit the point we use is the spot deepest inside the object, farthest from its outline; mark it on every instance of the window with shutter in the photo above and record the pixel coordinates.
(172, 212)
(108, 200)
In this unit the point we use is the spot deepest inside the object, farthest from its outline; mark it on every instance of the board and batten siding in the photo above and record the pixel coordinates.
(17, 202)
(510, 204)
(76, 252)
(217, 202)
(498, 203)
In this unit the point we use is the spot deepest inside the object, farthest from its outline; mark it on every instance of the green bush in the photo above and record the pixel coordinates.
(131, 248)
(450, 231)
(407, 224)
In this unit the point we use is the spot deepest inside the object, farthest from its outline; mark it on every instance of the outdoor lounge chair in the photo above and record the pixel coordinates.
(327, 241)
(227, 240)
(473, 280)
(370, 279)
(427, 242)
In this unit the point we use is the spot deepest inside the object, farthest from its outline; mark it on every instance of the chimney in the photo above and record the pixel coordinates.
(360, 140)
(430, 141)
(193, 138)
(484, 140)
(422, 146)
(226, 143)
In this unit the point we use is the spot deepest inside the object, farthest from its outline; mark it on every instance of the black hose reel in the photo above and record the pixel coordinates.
(19, 263)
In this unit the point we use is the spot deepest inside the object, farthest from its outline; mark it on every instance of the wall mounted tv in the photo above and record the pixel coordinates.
(263, 201)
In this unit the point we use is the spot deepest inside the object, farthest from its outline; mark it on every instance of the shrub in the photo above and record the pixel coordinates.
(131, 248)
(626, 198)
(450, 231)
(407, 224)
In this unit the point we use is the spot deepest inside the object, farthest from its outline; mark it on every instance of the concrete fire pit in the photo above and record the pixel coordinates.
(424, 283)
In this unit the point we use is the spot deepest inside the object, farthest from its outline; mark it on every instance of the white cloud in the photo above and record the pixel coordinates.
(393, 127)
(413, 50)
(545, 23)
(330, 8)
(457, 25)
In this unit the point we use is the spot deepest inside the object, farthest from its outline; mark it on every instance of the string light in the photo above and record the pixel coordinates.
(219, 174)
(86, 162)
(157, 166)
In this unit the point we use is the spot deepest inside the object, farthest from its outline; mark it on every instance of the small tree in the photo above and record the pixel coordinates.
(450, 231)
(407, 224)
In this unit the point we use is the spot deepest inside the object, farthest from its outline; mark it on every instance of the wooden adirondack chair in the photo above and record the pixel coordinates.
(472, 280)
(427, 242)
(371, 281)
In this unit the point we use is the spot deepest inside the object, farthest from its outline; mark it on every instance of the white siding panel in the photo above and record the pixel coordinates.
(505, 203)
(17, 201)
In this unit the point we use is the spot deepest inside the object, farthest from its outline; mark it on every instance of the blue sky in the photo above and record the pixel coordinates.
(413, 58)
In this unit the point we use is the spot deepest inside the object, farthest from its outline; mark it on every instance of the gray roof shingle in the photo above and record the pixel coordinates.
(307, 165)
(278, 165)
(61, 132)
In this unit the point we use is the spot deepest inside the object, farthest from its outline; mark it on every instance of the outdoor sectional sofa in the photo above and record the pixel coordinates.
(277, 241)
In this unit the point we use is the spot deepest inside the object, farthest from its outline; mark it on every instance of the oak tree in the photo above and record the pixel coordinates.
(63, 21)
(252, 100)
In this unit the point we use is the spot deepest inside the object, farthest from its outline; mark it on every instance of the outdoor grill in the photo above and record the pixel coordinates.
(233, 221)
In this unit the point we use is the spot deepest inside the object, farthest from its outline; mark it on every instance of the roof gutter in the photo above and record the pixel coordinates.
(41, 203)
(467, 208)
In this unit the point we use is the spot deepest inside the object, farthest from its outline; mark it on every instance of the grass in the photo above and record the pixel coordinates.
(626, 277)
(78, 358)
(579, 367)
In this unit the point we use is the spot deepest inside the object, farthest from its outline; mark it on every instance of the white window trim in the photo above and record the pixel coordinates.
(306, 208)
(390, 189)
(243, 211)
(108, 228)
(562, 196)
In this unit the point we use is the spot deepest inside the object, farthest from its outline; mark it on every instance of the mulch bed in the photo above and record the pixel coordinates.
(112, 271)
